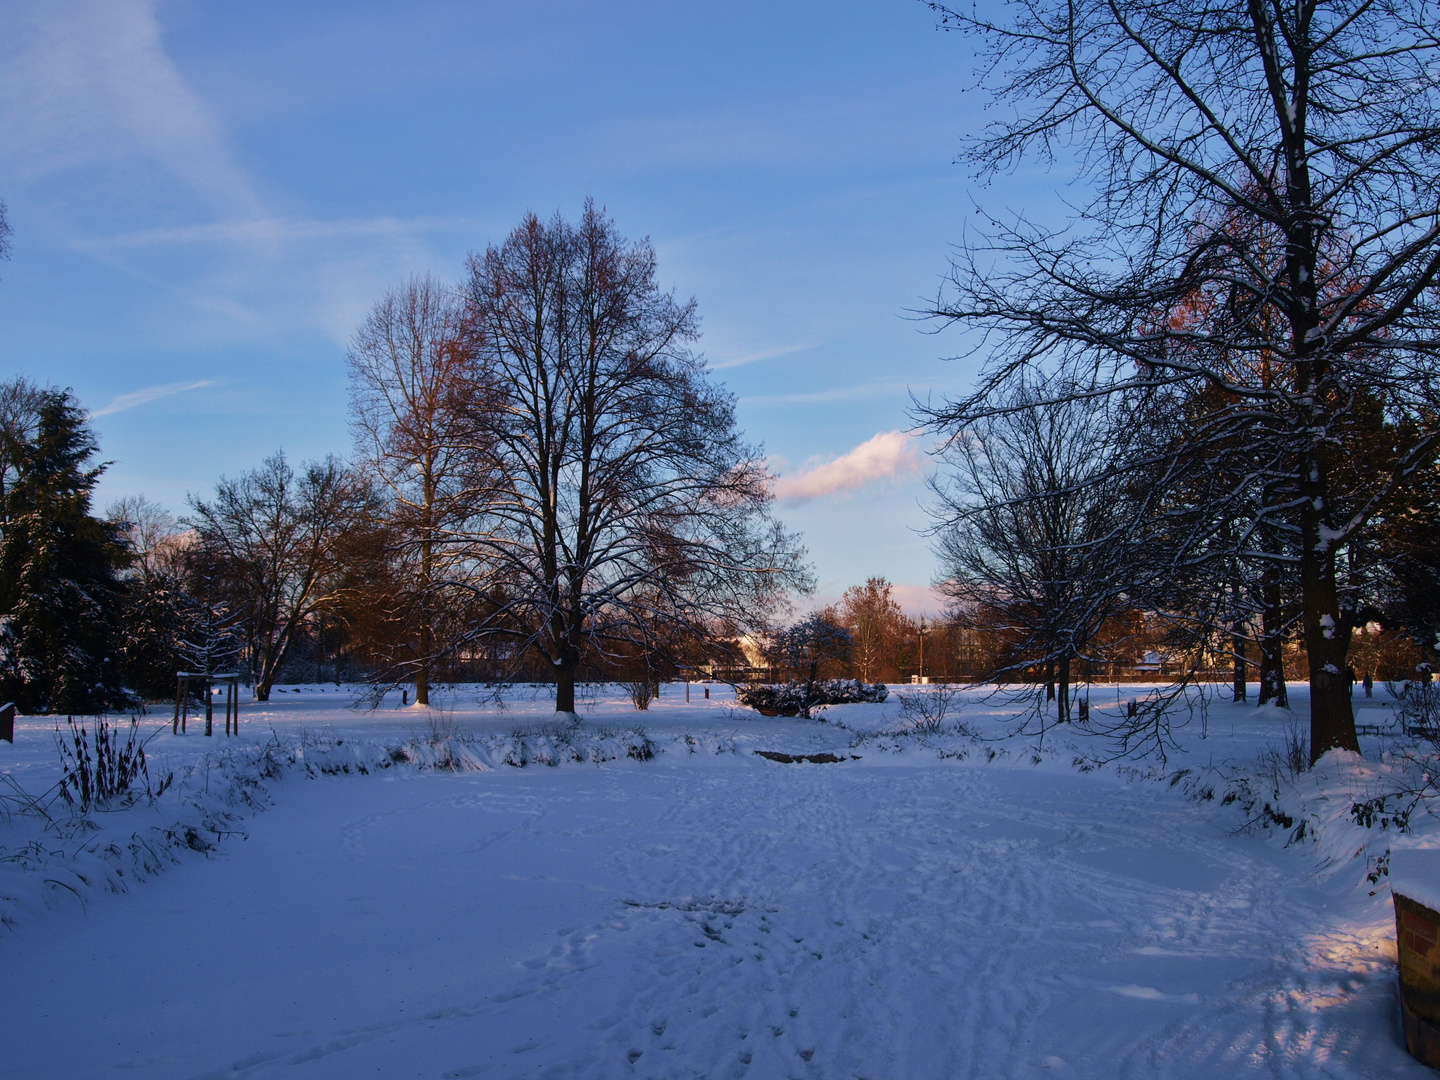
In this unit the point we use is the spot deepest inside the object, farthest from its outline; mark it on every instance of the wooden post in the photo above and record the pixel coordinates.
(175, 724)
(209, 707)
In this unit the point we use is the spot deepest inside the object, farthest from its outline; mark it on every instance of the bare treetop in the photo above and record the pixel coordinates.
(1261, 241)
(1317, 123)
(620, 502)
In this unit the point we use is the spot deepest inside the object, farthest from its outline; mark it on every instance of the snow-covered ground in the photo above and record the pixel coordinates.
(322, 898)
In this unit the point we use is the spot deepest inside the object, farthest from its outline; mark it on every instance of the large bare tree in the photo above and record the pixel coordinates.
(620, 503)
(1279, 162)
(415, 392)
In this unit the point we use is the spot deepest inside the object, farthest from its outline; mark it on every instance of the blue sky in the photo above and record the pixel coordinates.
(206, 197)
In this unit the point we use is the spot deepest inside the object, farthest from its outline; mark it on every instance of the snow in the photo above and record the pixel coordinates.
(384, 895)
(1416, 874)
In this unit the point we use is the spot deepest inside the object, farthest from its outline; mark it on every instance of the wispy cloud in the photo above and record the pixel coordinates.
(90, 83)
(151, 393)
(887, 456)
(752, 358)
(267, 231)
(858, 392)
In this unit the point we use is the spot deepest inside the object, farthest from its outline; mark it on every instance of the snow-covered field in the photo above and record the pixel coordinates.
(342, 893)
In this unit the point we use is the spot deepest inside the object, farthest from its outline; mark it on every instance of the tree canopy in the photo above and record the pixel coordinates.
(59, 593)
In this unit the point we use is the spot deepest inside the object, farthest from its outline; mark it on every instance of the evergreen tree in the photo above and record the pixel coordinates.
(59, 593)
(154, 621)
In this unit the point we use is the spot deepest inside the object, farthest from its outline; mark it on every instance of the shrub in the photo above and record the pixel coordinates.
(924, 712)
(798, 698)
(641, 693)
(94, 777)
(1419, 708)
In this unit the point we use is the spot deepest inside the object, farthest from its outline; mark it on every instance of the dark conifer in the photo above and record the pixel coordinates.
(59, 592)
(154, 621)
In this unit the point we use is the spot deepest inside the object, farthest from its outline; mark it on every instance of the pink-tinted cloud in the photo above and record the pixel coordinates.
(914, 600)
(887, 456)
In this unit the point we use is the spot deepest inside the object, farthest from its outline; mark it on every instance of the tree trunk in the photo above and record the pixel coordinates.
(265, 678)
(810, 688)
(1272, 644)
(1332, 715)
(567, 667)
(422, 676)
(1062, 704)
(565, 685)
(1238, 692)
(1327, 636)
(427, 555)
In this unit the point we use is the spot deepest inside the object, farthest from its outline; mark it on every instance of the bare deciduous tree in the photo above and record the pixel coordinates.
(1033, 530)
(618, 495)
(151, 532)
(881, 631)
(1280, 161)
(275, 544)
(414, 394)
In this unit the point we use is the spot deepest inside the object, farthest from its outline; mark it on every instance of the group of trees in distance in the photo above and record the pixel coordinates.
(1205, 434)
(545, 475)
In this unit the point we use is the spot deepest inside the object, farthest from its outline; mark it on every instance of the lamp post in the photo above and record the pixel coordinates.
(922, 649)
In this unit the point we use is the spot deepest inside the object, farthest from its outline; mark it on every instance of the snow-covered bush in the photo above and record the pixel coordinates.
(541, 744)
(1408, 781)
(798, 698)
(1264, 791)
(552, 744)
